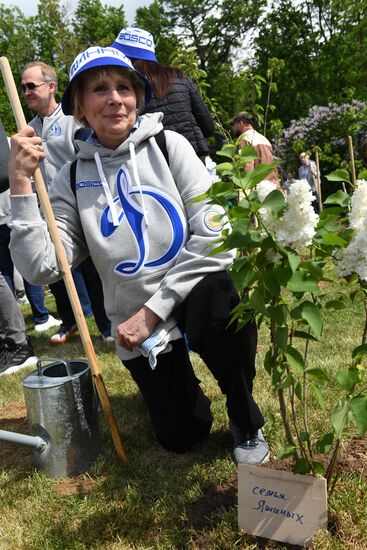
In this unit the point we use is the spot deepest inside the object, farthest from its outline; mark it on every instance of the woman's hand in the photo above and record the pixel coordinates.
(25, 155)
(135, 330)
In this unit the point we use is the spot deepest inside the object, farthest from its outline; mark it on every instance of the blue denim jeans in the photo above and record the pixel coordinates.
(34, 293)
(82, 291)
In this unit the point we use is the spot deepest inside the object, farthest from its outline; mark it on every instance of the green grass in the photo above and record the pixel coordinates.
(161, 500)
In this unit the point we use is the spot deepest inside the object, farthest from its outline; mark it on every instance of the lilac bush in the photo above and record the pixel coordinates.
(327, 128)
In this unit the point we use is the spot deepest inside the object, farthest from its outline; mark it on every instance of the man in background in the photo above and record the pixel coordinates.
(35, 293)
(16, 351)
(243, 127)
(308, 171)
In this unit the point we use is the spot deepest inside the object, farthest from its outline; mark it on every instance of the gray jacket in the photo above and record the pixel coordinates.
(57, 132)
(149, 242)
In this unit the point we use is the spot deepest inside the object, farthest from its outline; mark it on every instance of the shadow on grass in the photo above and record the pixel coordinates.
(158, 500)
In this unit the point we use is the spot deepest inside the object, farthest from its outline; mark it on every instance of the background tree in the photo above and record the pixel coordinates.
(217, 32)
(322, 44)
(155, 20)
(214, 27)
(227, 46)
(17, 45)
(55, 44)
(95, 23)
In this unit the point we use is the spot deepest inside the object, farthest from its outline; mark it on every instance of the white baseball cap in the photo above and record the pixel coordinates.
(97, 56)
(135, 43)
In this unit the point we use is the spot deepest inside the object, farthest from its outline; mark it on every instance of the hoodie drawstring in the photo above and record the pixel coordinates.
(111, 204)
(137, 179)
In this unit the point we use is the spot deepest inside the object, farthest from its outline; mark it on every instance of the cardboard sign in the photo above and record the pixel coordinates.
(280, 505)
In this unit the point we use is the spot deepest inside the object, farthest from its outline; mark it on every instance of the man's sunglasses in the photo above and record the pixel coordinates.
(31, 86)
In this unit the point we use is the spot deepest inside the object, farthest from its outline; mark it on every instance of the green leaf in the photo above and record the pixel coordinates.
(243, 277)
(317, 374)
(348, 377)
(260, 172)
(221, 187)
(281, 337)
(224, 167)
(358, 406)
(338, 175)
(339, 418)
(275, 201)
(256, 300)
(304, 436)
(339, 197)
(312, 267)
(287, 382)
(298, 390)
(319, 395)
(293, 259)
(242, 236)
(268, 362)
(248, 153)
(228, 150)
(295, 359)
(311, 313)
(302, 466)
(301, 281)
(277, 373)
(325, 443)
(287, 451)
(278, 313)
(359, 351)
(332, 239)
(318, 468)
(335, 304)
(271, 284)
(304, 335)
(282, 275)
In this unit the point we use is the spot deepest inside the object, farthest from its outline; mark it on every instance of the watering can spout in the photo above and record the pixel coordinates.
(35, 442)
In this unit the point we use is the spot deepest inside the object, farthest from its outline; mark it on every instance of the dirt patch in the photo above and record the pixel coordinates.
(13, 419)
(352, 458)
(76, 485)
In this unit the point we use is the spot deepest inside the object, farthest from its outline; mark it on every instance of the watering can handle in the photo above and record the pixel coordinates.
(53, 360)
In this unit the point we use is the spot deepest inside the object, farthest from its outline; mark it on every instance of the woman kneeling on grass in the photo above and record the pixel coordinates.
(128, 205)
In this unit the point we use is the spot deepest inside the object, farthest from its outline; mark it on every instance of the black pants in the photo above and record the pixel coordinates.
(179, 410)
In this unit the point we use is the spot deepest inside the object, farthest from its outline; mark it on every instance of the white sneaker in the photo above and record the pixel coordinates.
(108, 339)
(22, 300)
(51, 322)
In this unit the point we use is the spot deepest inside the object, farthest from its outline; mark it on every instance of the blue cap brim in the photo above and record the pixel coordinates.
(107, 61)
(136, 53)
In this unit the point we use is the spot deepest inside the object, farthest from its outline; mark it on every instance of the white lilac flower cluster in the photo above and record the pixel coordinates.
(353, 258)
(296, 227)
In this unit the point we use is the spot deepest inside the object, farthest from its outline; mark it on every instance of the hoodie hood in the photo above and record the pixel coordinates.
(150, 125)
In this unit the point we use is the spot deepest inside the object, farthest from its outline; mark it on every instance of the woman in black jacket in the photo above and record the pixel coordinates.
(174, 94)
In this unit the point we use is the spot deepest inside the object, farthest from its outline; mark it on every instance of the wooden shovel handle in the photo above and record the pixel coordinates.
(65, 268)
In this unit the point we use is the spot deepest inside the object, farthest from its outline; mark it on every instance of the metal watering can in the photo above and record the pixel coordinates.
(63, 415)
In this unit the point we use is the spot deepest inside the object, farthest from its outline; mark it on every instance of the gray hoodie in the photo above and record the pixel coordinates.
(133, 213)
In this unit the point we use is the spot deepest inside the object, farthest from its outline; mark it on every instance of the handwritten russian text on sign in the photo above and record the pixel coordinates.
(280, 505)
